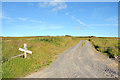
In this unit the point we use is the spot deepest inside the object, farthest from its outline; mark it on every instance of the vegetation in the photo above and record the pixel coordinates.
(45, 51)
(83, 43)
(68, 35)
(108, 46)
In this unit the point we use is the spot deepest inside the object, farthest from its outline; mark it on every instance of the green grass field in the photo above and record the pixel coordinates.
(107, 46)
(45, 51)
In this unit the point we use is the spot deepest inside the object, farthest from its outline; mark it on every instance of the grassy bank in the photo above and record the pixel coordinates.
(107, 46)
(45, 51)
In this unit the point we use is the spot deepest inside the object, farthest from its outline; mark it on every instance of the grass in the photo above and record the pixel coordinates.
(108, 46)
(45, 51)
(83, 43)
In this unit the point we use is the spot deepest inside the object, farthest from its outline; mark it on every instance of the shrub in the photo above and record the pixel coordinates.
(107, 46)
(89, 39)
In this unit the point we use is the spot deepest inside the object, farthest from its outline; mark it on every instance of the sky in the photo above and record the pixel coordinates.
(60, 18)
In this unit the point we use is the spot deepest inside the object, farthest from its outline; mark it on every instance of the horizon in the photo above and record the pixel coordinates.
(55, 36)
(98, 19)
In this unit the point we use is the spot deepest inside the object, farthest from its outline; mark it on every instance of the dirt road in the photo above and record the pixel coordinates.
(79, 62)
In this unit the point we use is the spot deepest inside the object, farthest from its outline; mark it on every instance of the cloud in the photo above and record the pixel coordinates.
(39, 27)
(54, 4)
(100, 25)
(3, 16)
(23, 19)
(36, 21)
(112, 19)
(43, 4)
(30, 20)
(6, 18)
(60, 7)
(80, 22)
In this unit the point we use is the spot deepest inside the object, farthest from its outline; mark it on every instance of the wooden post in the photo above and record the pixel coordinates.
(25, 47)
(25, 50)
(25, 54)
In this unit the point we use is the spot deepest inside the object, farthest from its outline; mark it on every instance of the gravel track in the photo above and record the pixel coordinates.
(79, 62)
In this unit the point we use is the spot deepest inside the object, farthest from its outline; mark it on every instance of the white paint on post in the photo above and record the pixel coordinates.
(25, 46)
(25, 50)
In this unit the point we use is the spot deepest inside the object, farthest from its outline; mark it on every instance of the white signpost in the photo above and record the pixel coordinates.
(25, 50)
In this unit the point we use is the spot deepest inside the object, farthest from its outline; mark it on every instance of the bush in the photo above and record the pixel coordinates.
(107, 46)
(89, 39)
(68, 35)
(96, 46)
